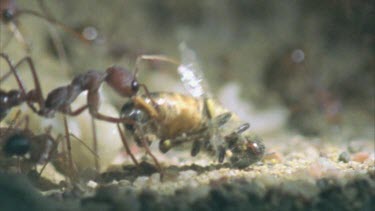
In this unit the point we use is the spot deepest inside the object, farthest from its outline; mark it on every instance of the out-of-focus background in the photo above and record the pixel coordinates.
(302, 66)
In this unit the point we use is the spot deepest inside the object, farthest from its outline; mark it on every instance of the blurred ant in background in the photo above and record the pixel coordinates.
(10, 13)
(29, 148)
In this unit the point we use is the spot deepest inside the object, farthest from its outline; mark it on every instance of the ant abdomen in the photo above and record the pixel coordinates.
(16, 145)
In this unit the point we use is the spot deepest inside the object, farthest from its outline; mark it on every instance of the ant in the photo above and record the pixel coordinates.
(32, 148)
(121, 80)
(12, 98)
(10, 12)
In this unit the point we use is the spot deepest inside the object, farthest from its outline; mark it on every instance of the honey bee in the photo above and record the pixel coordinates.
(197, 118)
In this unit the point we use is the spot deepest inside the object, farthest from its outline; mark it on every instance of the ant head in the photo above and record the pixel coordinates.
(138, 115)
(7, 10)
(7, 16)
(17, 144)
(246, 151)
(122, 81)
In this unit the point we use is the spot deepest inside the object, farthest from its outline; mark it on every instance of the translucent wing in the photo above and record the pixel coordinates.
(191, 73)
(192, 77)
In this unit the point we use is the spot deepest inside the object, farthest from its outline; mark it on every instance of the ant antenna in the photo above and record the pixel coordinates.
(152, 57)
(63, 26)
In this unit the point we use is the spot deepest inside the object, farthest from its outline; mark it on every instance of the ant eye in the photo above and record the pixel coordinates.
(7, 16)
(135, 86)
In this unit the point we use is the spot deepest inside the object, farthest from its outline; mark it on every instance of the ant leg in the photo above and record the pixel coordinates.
(26, 120)
(69, 147)
(85, 145)
(5, 76)
(148, 151)
(18, 35)
(13, 124)
(14, 71)
(127, 149)
(152, 57)
(100, 116)
(56, 39)
(51, 20)
(38, 90)
(14, 120)
(155, 58)
(95, 143)
(54, 149)
(6, 43)
(77, 111)
(149, 95)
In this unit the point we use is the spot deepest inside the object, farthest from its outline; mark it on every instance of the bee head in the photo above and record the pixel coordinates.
(246, 150)
(138, 115)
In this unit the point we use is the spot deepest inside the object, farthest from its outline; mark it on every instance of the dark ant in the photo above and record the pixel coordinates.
(30, 149)
(12, 98)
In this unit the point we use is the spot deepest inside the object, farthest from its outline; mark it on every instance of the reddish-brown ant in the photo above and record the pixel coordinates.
(60, 99)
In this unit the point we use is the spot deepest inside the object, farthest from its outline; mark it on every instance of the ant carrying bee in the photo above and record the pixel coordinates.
(121, 80)
(195, 118)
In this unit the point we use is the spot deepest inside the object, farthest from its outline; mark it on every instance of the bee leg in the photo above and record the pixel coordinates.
(196, 148)
(242, 128)
(165, 145)
(127, 148)
(233, 136)
(221, 154)
(223, 118)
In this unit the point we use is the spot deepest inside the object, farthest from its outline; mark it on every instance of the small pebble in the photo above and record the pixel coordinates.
(344, 157)
(92, 184)
(361, 157)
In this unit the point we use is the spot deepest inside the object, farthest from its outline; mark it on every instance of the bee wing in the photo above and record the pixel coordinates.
(191, 73)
